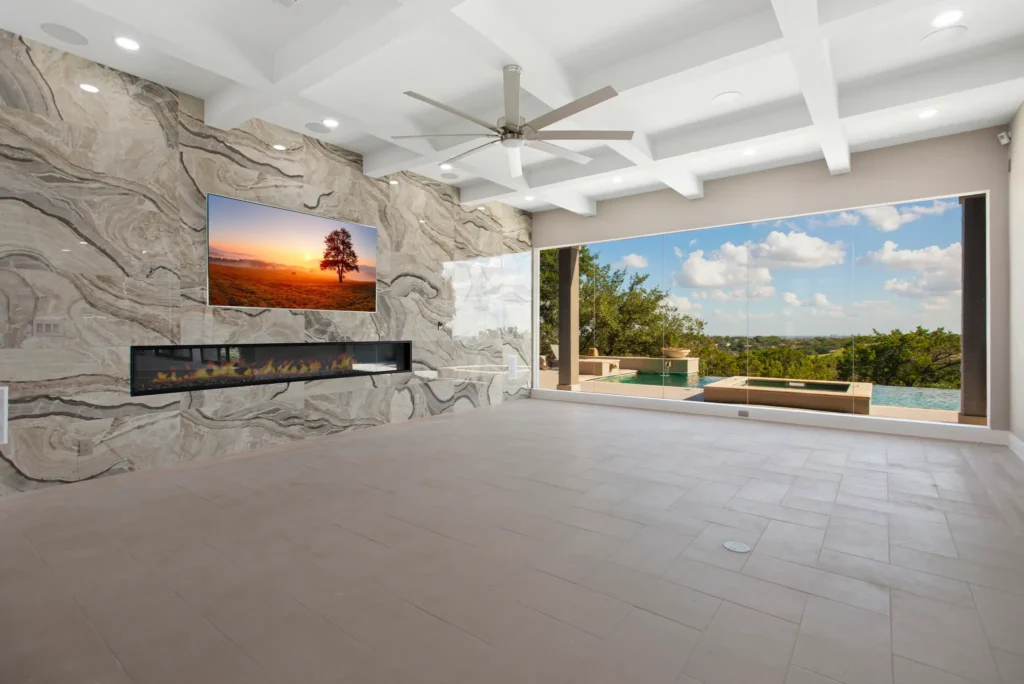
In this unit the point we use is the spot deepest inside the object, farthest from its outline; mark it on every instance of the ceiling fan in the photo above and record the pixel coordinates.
(513, 132)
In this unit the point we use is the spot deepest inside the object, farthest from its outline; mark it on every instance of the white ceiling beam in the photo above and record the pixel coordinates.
(957, 74)
(353, 31)
(164, 27)
(545, 78)
(733, 129)
(809, 53)
(961, 72)
(570, 200)
(735, 43)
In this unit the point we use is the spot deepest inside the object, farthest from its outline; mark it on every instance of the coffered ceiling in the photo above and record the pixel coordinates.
(816, 79)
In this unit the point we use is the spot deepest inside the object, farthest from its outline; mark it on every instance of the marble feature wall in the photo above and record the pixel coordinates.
(103, 235)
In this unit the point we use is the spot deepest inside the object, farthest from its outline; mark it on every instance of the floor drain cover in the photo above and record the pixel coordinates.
(738, 547)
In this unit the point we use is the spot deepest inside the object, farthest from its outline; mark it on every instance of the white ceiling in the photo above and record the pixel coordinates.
(818, 78)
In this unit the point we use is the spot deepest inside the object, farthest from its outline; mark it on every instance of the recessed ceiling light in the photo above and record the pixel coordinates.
(726, 97)
(749, 151)
(82, 242)
(65, 250)
(617, 180)
(330, 123)
(948, 18)
(446, 167)
(64, 34)
(394, 182)
(481, 208)
(928, 113)
(88, 87)
(280, 148)
(126, 43)
(422, 221)
(529, 198)
(945, 35)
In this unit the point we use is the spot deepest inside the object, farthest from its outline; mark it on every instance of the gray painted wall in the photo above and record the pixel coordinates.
(952, 165)
(102, 230)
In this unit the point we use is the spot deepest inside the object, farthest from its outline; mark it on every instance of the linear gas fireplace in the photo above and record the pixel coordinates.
(155, 370)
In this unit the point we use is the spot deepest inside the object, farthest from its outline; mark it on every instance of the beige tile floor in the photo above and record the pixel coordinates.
(534, 542)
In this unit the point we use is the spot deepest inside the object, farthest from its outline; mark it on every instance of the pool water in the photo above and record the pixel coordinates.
(882, 395)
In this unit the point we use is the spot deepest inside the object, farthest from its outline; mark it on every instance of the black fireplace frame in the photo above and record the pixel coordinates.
(407, 353)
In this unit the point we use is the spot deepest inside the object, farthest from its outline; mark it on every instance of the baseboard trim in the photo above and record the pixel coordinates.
(842, 421)
(1016, 444)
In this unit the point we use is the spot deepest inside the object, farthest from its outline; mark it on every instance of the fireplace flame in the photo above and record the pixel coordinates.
(240, 370)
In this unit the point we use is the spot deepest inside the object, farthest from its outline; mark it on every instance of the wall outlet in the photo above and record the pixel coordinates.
(744, 413)
(513, 367)
(48, 327)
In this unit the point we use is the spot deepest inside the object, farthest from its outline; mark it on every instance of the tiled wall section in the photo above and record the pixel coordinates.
(102, 230)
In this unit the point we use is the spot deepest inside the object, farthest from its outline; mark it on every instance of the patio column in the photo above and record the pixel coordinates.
(569, 319)
(974, 316)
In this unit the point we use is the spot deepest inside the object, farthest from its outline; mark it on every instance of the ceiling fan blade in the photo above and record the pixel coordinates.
(469, 152)
(515, 161)
(444, 135)
(558, 151)
(512, 76)
(574, 107)
(451, 110)
(584, 135)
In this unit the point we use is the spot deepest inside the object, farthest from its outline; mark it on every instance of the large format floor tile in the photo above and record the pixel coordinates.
(534, 542)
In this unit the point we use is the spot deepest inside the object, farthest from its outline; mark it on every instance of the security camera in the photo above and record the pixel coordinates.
(1004, 137)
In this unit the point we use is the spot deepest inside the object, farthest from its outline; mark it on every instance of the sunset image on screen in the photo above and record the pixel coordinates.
(272, 258)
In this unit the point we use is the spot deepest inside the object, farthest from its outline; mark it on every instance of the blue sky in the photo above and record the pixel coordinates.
(885, 267)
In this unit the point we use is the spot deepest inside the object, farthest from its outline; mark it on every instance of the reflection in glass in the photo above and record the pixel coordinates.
(491, 318)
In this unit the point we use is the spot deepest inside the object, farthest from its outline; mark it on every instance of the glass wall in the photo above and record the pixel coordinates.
(853, 311)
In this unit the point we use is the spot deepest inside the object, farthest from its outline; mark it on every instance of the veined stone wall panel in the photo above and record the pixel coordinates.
(103, 231)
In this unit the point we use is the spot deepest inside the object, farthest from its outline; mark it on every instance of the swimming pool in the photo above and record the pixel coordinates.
(882, 395)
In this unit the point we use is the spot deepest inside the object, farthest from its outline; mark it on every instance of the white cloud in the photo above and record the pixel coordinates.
(698, 294)
(936, 208)
(692, 243)
(726, 267)
(817, 305)
(758, 292)
(723, 296)
(843, 218)
(888, 218)
(632, 261)
(872, 303)
(681, 304)
(936, 269)
(940, 303)
(680, 253)
(796, 250)
(742, 316)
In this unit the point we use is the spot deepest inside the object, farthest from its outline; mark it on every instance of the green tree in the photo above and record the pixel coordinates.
(339, 254)
(624, 315)
(919, 358)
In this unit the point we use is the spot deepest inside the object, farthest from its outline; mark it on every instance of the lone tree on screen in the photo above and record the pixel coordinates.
(339, 255)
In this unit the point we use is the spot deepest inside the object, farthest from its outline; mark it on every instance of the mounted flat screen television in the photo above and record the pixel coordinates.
(269, 258)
